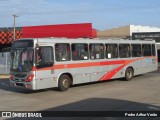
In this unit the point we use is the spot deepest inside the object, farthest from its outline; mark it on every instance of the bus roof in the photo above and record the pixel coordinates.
(86, 40)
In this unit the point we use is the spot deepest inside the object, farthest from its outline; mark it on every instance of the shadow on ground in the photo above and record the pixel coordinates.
(100, 109)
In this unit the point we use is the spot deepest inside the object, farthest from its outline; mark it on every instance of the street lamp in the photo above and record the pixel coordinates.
(14, 25)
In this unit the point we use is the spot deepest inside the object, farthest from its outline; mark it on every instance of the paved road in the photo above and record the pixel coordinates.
(141, 93)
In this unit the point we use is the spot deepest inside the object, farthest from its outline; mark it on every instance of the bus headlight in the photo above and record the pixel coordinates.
(29, 78)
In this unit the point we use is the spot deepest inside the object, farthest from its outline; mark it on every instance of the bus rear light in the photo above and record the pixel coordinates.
(29, 78)
(11, 77)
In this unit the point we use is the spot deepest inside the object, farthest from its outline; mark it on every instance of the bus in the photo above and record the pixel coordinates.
(60, 62)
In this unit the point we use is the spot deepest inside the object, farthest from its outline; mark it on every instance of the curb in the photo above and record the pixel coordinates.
(4, 76)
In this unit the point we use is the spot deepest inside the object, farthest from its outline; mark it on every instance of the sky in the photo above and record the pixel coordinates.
(103, 14)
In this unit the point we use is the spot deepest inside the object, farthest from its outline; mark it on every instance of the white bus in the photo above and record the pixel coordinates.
(60, 62)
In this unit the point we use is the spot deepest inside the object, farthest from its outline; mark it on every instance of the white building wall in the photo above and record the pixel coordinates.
(139, 28)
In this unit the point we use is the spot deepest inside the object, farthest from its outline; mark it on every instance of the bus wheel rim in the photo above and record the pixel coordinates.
(65, 83)
(129, 74)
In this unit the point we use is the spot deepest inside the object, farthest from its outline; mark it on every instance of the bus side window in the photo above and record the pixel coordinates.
(39, 55)
(44, 56)
(153, 50)
(136, 50)
(62, 51)
(146, 48)
(74, 53)
(124, 50)
(96, 51)
(79, 51)
(111, 51)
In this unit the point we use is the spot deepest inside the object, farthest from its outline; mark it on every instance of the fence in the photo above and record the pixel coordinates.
(4, 63)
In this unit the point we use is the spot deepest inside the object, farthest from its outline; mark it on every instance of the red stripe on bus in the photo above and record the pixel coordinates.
(112, 62)
(111, 73)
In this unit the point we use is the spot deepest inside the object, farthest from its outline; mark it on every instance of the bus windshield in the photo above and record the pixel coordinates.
(22, 60)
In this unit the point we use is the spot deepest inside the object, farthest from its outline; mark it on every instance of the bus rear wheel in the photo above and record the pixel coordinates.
(129, 74)
(64, 82)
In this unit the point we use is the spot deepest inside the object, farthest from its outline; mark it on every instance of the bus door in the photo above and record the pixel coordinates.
(44, 67)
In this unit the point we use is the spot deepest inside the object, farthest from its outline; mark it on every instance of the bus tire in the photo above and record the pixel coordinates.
(129, 74)
(64, 82)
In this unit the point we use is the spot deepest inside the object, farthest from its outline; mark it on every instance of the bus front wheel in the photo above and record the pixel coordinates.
(129, 74)
(64, 82)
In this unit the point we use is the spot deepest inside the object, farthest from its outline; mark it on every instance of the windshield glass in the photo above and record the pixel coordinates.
(21, 60)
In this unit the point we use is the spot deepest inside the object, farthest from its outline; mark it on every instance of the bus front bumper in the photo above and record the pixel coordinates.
(26, 85)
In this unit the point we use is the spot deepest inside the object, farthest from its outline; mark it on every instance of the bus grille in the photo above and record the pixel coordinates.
(20, 84)
(20, 75)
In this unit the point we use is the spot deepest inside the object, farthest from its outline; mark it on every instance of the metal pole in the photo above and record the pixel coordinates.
(14, 27)
(6, 61)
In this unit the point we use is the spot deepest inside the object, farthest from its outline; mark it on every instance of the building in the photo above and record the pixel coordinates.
(126, 31)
